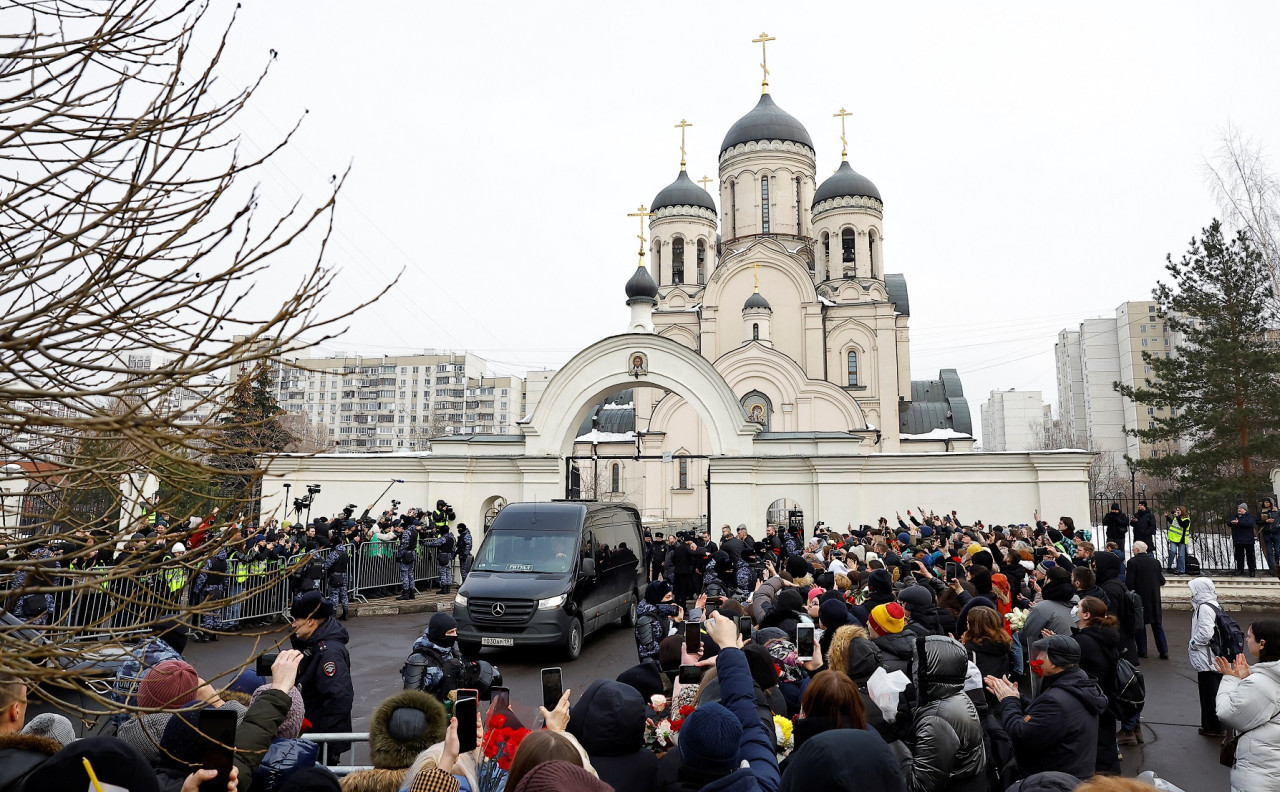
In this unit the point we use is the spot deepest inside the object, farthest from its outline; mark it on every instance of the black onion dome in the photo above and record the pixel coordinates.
(642, 284)
(846, 182)
(766, 121)
(757, 300)
(682, 192)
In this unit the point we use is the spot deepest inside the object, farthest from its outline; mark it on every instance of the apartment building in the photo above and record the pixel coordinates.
(1013, 420)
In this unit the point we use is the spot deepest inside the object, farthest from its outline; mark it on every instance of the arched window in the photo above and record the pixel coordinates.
(657, 259)
(677, 260)
(733, 210)
(616, 478)
(684, 473)
(846, 245)
(764, 204)
(853, 367)
(799, 230)
(871, 259)
(755, 331)
(702, 261)
(826, 250)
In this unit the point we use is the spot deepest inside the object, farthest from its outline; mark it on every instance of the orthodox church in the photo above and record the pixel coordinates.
(764, 374)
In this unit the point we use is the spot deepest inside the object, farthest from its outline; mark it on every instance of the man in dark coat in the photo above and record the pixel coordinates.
(1117, 524)
(325, 672)
(1242, 537)
(1146, 576)
(608, 721)
(1144, 525)
(1058, 730)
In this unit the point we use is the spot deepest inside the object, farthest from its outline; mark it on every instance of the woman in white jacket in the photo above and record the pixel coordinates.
(1204, 598)
(1249, 702)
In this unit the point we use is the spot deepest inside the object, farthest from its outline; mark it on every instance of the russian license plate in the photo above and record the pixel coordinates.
(497, 642)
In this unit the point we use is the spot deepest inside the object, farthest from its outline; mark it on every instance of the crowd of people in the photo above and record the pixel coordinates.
(924, 656)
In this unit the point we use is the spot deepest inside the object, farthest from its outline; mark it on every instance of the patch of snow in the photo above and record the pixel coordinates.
(597, 436)
(628, 406)
(938, 434)
(825, 301)
(872, 427)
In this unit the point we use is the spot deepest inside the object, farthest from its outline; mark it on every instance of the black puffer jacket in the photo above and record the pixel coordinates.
(948, 754)
(608, 722)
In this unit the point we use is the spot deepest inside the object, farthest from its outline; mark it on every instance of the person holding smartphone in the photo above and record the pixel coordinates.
(654, 617)
(325, 672)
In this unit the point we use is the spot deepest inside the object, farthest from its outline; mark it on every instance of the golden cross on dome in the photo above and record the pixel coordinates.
(764, 39)
(682, 126)
(844, 144)
(755, 273)
(704, 181)
(641, 213)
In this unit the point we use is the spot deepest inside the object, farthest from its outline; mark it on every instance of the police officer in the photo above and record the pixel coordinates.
(406, 556)
(324, 675)
(435, 664)
(444, 544)
(335, 567)
(465, 557)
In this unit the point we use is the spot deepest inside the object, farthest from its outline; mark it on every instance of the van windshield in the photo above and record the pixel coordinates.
(532, 552)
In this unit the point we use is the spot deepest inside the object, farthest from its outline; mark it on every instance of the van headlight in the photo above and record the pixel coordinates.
(551, 603)
(459, 601)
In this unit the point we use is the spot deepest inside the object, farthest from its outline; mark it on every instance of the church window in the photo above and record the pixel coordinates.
(826, 247)
(677, 260)
(684, 473)
(702, 261)
(764, 204)
(657, 259)
(871, 259)
(798, 230)
(853, 367)
(616, 478)
(755, 331)
(733, 210)
(846, 244)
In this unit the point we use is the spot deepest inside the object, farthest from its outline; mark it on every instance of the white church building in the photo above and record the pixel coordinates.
(765, 373)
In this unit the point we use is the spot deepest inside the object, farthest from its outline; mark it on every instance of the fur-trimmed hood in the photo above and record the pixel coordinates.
(838, 659)
(390, 751)
(20, 753)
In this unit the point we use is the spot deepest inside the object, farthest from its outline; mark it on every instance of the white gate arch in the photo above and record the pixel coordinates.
(609, 365)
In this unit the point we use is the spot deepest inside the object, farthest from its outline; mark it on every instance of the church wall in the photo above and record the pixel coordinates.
(744, 166)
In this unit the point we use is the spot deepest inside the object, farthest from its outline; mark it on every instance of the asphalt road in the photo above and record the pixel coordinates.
(379, 646)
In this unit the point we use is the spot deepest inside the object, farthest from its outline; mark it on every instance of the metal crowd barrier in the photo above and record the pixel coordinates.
(324, 738)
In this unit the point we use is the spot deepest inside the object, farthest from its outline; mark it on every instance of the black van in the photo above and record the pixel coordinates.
(548, 574)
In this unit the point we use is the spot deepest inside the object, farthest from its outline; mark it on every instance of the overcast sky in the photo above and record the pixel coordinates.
(1036, 163)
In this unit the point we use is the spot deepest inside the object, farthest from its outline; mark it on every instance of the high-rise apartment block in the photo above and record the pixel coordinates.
(1091, 359)
(1013, 420)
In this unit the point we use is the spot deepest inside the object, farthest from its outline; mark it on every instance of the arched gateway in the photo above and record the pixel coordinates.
(629, 361)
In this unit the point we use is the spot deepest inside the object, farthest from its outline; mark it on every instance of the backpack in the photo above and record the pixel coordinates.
(1228, 639)
(1139, 611)
(1130, 690)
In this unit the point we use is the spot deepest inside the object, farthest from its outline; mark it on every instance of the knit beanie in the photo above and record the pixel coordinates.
(790, 600)
(904, 537)
(814, 593)
(169, 685)
(982, 558)
(973, 548)
(291, 726)
(889, 617)
(913, 597)
(52, 726)
(656, 591)
(440, 624)
(880, 582)
(833, 613)
(1243, 506)
(559, 775)
(709, 739)
(797, 567)
(980, 577)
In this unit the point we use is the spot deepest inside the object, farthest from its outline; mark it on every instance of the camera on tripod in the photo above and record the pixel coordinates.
(313, 489)
(395, 505)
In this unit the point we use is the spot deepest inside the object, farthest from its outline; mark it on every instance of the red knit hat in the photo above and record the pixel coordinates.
(169, 685)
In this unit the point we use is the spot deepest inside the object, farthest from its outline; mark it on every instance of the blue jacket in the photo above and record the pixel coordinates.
(738, 696)
(1242, 530)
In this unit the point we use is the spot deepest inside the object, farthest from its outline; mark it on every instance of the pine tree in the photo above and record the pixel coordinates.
(1221, 408)
(251, 425)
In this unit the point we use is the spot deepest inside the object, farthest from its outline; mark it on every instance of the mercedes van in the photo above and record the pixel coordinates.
(549, 574)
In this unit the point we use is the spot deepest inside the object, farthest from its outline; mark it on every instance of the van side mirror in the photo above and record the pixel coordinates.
(587, 568)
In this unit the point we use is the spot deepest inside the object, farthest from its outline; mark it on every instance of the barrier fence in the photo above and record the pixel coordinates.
(253, 590)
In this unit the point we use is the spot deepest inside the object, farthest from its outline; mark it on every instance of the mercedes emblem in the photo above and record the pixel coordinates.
(498, 609)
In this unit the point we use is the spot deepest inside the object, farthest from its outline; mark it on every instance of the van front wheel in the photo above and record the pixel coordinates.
(573, 645)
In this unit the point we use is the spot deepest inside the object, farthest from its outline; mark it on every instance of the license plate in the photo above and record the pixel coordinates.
(497, 642)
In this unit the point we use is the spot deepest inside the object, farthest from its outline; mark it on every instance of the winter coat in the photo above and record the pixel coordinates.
(1251, 706)
(763, 598)
(1045, 615)
(898, 652)
(1059, 729)
(283, 758)
(19, 755)
(324, 676)
(1146, 576)
(437, 670)
(1203, 620)
(1098, 648)
(992, 659)
(390, 756)
(843, 760)
(653, 623)
(1117, 525)
(1144, 527)
(757, 749)
(258, 730)
(609, 721)
(948, 751)
(1109, 570)
(1242, 530)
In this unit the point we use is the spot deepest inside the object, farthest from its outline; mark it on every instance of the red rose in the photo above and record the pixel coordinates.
(498, 721)
(675, 725)
(686, 711)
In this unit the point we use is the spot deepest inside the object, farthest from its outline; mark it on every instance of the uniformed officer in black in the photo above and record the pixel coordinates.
(324, 675)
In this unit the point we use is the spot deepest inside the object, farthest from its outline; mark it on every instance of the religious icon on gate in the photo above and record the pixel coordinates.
(639, 364)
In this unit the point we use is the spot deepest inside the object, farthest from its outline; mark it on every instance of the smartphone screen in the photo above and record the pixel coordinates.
(693, 637)
(804, 642)
(552, 687)
(464, 709)
(691, 674)
(744, 627)
(953, 570)
(217, 746)
(470, 693)
(499, 702)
